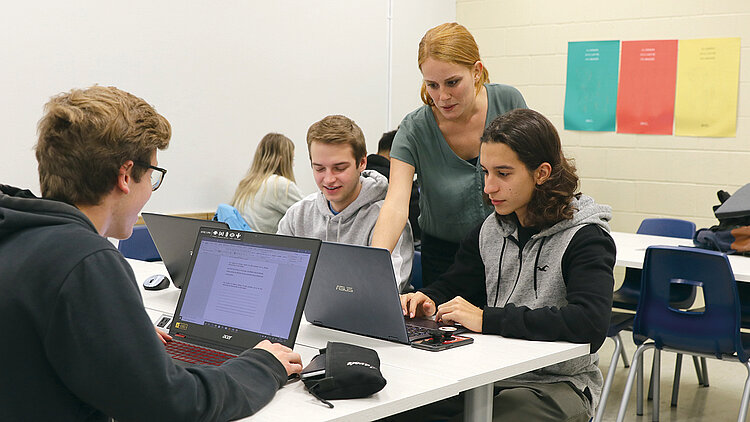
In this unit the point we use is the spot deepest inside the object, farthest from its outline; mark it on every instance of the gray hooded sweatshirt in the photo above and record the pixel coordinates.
(533, 278)
(312, 217)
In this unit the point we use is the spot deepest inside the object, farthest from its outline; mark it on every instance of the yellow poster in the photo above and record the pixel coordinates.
(708, 73)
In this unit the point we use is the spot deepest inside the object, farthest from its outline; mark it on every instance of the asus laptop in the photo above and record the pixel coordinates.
(241, 288)
(354, 289)
(174, 238)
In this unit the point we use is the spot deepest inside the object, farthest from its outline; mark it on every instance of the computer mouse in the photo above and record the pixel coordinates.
(156, 282)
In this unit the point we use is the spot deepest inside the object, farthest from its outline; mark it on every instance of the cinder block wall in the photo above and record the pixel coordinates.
(524, 43)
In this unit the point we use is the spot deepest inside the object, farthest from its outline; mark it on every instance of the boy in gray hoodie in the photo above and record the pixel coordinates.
(348, 204)
(538, 268)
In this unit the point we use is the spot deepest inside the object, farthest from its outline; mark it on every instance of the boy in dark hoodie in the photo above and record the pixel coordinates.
(538, 268)
(78, 344)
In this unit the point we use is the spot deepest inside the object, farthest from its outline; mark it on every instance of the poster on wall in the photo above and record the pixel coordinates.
(645, 98)
(708, 73)
(591, 86)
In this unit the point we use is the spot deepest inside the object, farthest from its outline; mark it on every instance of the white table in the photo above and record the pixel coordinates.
(472, 368)
(631, 249)
(415, 377)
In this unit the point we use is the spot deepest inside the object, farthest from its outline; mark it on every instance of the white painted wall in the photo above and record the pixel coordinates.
(223, 73)
(524, 43)
(411, 19)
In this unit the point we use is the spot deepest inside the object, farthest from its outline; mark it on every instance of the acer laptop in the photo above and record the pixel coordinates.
(174, 238)
(241, 288)
(354, 289)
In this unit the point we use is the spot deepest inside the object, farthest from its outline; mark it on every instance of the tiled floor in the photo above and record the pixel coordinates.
(718, 402)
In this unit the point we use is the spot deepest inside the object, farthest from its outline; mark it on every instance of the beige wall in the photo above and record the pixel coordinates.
(524, 43)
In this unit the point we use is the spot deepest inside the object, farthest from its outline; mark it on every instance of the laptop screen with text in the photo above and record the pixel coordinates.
(253, 287)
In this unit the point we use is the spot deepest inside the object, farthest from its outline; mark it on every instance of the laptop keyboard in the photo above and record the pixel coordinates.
(417, 332)
(191, 353)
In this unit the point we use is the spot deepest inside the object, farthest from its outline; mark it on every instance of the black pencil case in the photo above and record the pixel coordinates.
(350, 372)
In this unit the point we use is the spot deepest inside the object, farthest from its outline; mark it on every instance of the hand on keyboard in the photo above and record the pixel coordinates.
(291, 360)
(417, 305)
(163, 336)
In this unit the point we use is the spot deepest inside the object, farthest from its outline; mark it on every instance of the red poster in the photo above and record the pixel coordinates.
(645, 98)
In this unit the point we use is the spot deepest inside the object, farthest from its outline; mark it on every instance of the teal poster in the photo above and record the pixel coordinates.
(591, 88)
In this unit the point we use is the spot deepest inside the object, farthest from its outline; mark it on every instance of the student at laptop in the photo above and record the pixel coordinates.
(347, 206)
(77, 342)
(538, 268)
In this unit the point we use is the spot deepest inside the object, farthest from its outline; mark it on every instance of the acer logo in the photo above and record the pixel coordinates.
(226, 337)
(345, 289)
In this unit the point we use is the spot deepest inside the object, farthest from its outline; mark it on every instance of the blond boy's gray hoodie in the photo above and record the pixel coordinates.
(312, 217)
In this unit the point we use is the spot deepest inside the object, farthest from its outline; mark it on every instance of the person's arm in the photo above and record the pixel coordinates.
(402, 258)
(102, 345)
(465, 277)
(587, 269)
(395, 210)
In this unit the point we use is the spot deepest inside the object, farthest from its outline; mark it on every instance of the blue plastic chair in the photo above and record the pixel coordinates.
(713, 332)
(627, 296)
(416, 271)
(139, 245)
(743, 290)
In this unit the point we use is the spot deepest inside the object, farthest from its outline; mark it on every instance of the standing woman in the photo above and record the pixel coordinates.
(440, 142)
(269, 188)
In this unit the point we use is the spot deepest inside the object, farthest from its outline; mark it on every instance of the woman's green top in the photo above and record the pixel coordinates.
(451, 188)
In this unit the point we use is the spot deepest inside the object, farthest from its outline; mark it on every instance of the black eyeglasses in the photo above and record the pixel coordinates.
(157, 176)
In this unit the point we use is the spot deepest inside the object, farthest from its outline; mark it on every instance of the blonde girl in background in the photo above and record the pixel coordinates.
(269, 188)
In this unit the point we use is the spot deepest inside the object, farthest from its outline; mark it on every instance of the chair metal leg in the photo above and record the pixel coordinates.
(745, 396)
(705, 371)
(623, 354)
(651, 379)
(610, 377)
(639, 388)
(635, 367)
(698, 370)
(676, 381)
(655, 381)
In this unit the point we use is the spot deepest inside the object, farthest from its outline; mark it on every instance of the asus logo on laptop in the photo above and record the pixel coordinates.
(345, 289)
(226, 337)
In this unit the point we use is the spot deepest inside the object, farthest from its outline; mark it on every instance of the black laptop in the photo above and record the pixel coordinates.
(241, 288)
(736, 206)
(174, 238)
(354, 289)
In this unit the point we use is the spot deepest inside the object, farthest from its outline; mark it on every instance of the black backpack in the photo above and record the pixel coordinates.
(733, 213)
